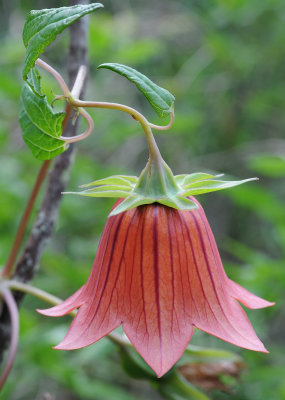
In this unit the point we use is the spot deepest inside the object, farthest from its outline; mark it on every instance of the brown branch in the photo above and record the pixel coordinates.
(59, 175)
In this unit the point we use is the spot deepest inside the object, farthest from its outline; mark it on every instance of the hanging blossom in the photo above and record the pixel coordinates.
(158, 273)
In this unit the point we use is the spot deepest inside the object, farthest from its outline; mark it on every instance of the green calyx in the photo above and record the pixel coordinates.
(156, 184)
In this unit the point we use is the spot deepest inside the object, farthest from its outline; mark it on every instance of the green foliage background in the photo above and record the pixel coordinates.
(224, 61)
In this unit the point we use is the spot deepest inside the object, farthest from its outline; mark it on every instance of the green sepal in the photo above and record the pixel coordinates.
(156, 184)
(161, 100)
(42, 27)
(210, 185)
(195, 177)
(121, 180)
(131, 202)
(102, 192)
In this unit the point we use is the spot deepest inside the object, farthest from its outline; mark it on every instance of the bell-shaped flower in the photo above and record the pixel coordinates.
(158, 273)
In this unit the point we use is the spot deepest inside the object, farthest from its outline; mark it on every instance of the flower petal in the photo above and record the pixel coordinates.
(215, 311)
(158, 324)
(103, 311)
(74, 301)
(247, 298)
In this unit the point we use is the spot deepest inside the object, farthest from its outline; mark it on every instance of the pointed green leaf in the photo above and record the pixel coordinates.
(211, 186)
(160, 99)
(114, 180)
(42, 27)
(43, 147)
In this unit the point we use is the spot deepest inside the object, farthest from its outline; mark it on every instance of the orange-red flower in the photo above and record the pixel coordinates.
(158, 272)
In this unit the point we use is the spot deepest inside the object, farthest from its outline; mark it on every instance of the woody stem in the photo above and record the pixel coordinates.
(24, 221)
(7, 271)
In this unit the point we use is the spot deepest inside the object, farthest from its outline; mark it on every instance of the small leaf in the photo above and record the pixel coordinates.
(114, 180)
(40, 112)
(211, 186)
(160, 99)
(42, 27)
(43, 147)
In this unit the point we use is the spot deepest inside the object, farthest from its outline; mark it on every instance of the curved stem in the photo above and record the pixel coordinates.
(36, 292)
(24, 221)
(72, 99)
(83, 135)
(165, 127)
(153, 149)
(56, 75)
(14, 318)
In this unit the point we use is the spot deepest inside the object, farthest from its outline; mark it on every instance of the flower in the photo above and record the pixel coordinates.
(158, 272)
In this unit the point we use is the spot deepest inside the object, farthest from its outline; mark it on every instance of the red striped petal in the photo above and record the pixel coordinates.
(158, 273)
(247, 298)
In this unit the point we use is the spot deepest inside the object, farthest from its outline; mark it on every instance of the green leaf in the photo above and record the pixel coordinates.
(114, 180)
(40, 112)
(211, 186)
(160, 99)
(41, 127)
(42, 27)
(43, 147)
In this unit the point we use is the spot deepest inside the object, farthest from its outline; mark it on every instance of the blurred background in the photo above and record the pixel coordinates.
(224, 61)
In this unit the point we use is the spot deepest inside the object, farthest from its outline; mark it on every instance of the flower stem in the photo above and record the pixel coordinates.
(71, 97)
(153, 149)
(24, 221)
(14, 318)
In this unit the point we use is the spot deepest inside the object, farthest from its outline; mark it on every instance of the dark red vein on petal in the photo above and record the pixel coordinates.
(138, 211)
(197, 268)
(141, 269)
(156, 275)
(189, 282)
(172, 270)
(106, 276)
(119, 267)
(212, 281)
